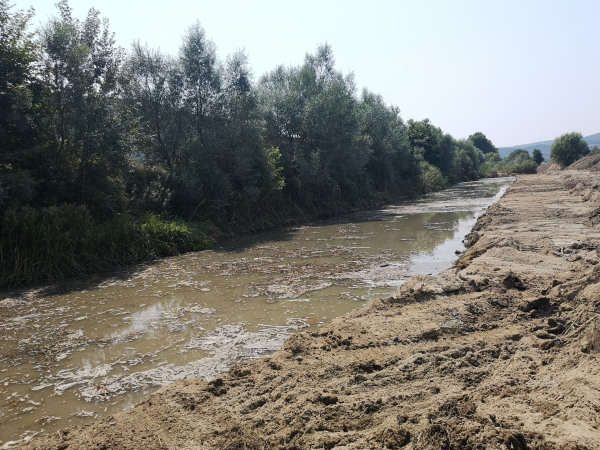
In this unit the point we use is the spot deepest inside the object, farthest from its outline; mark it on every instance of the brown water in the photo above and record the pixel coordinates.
(83, 349)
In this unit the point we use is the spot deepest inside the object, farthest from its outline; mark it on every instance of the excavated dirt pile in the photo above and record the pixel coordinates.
(501, 352)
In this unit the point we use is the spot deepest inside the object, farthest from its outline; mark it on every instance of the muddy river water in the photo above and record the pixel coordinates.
(83, 349)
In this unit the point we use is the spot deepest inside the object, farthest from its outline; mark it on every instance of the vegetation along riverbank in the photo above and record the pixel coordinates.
(110, 157)
(499, 352)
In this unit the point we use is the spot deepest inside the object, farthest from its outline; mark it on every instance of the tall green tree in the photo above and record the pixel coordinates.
(201, 78)
(538, 157)
(481, 141)
(18, 53)
(151, 89)
(467, 161)
(568, 148)
(242, 157)
(384, 132)
(80, 66)
(431, 144)
(19, 131)
(310, 115)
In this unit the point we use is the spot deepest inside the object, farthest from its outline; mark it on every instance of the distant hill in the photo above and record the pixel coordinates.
(544, 146)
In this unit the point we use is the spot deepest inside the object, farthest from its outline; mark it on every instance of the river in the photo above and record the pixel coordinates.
(82, 349)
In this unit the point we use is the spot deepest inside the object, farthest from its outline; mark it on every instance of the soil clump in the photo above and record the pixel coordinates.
(500, 352)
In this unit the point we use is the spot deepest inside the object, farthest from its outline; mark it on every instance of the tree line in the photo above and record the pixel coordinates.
(99, 142)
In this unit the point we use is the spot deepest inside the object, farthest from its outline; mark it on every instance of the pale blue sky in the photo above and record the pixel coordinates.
(519, 71)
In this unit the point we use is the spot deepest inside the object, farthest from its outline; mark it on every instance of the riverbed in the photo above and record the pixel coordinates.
(82, 349)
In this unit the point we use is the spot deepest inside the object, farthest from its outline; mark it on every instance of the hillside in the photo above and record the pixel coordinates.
(544, 146)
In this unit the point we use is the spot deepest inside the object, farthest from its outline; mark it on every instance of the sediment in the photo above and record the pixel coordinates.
(502, 351)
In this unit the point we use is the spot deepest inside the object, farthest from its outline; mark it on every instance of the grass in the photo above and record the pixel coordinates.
(63, 241)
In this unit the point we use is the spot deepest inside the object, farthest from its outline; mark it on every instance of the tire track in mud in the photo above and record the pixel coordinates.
(283, 276)
(500, 352)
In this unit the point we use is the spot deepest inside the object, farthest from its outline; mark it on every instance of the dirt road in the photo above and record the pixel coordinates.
(500, 352)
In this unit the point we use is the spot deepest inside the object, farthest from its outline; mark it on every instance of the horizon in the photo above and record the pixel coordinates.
(545, 140)
(467, 66)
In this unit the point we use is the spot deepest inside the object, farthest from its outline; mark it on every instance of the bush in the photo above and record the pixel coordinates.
(61, 241)
(467, 161)
(568, 148)
(480, 141)
(431, 177)
(519, 161)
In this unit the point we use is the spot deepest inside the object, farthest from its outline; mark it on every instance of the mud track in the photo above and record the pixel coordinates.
(499, 352)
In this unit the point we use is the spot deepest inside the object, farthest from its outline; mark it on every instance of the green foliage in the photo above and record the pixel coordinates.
(106, 157)
(538, 157)
(18, 53)
(62, 241)
(431, 178)
(384, 134)
(430, 143)
(310, 115)
(568, 148)
(273, 176)
(518, 154)
(595, 150)
(84, 129)
(467, 161)
(492, 158)
(480, 141)
(519, 161)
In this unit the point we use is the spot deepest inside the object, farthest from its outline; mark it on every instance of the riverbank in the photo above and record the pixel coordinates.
(500, 351)
(61, 242)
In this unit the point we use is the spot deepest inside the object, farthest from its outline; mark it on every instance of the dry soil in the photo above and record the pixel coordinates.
(501, 351)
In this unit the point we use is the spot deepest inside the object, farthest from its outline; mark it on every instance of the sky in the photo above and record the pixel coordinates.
(519, 71)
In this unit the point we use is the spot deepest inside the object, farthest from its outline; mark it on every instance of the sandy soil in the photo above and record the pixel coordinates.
(500, 352)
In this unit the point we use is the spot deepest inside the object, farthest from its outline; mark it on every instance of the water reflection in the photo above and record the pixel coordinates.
(66, 358)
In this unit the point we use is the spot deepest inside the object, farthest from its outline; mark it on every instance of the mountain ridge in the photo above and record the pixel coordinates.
(544, 146)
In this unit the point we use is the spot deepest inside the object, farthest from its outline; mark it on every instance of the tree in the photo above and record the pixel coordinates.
(431, 144)
(568, 148)
(310, 115)
(480, 141)
(385, 134)
(18, 131)
(80, 67)
(538, 157)
(519, 153)
(519, 161)
(18, 52)
(201, 78)
(467, 161)
(152, 94)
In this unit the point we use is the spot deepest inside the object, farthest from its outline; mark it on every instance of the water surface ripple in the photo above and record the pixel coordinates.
(73, 351)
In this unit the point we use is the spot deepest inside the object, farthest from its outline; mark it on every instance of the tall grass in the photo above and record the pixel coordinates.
(62, 241)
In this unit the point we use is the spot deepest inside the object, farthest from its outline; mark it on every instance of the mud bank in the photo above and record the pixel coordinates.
(499, 352)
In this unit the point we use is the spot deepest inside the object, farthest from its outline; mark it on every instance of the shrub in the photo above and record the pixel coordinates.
(519, 161)
(431, 177)
(568, 148)
(61, 241)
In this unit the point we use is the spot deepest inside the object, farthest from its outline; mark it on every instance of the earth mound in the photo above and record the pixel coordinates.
(500, 352)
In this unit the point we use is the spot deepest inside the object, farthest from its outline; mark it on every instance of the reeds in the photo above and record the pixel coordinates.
(63, 241)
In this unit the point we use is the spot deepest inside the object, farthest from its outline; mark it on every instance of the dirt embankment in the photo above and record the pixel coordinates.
(500, 352)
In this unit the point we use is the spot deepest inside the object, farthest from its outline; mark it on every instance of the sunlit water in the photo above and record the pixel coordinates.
(89, 348)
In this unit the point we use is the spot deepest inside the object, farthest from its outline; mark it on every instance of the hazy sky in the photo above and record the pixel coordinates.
(519, 71)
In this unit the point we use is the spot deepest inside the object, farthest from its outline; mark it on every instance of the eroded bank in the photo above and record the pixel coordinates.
(72, 352)
(501, 353)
